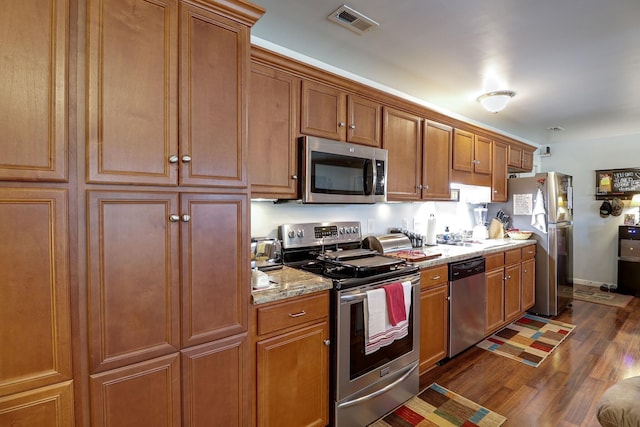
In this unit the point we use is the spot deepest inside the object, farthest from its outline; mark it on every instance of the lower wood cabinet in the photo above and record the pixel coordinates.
(434, 316)
(528, 277)
(292, 362)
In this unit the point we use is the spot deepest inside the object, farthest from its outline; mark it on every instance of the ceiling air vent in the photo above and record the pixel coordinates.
(352, 19)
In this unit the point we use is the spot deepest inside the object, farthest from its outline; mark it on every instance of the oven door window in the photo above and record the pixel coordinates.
(360, 363)
(340, 174)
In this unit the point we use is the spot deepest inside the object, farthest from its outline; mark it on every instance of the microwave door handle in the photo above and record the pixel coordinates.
(368, 177)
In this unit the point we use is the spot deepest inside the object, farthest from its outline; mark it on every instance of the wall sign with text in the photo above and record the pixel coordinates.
(621, 183)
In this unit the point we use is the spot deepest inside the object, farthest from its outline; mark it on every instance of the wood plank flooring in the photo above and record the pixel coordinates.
(564, 390)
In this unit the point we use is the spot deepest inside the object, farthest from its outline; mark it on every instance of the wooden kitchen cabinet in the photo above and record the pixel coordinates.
(512, 284)
(185, 67)
(527, 161)
(273, 133)
(434, 316)
(471, 153)
(292, 361)
(515, 156)
(402, 137)
(329, 112)
(34, 90)
(499, 172)
(47, 406)
(520, 159)
(528, 277)
(142, 394)
(495, 297)
(436, 158)
(35, 319)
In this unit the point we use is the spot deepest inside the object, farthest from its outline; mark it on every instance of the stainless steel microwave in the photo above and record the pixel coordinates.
(340, 172)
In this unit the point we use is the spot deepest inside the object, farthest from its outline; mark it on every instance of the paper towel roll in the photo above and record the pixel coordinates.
(431, 231)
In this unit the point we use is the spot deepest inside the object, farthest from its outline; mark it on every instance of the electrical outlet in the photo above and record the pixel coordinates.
(371, 223)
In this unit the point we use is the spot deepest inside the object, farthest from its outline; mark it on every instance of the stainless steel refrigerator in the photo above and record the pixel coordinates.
(543, 204)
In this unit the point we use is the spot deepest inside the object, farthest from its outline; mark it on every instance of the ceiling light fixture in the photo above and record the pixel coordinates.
(496, 100)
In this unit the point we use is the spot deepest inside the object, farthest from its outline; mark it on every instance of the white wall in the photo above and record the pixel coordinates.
(595, 238)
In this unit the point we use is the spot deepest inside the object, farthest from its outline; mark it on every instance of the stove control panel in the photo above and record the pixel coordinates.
(319, 234)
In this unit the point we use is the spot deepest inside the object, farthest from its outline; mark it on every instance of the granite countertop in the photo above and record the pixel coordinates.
(288, 282)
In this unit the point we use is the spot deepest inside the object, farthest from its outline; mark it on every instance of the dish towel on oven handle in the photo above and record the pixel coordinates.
(378, 330)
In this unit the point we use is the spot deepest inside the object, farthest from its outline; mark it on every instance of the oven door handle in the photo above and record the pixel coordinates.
(361, 296)
(382, 390)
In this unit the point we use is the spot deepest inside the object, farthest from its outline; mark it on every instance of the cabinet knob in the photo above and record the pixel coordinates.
(341, 124)
(186, 159)
(419, 187)
(294, 176)
(352, 126)
(173, 159)
(327, 342)
(174, 218)
(426, 187)
(186, 218)
(495, 191)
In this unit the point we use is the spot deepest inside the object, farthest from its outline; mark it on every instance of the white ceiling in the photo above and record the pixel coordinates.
(572, 63)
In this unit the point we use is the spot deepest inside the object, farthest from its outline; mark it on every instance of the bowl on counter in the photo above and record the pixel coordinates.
(519, 235)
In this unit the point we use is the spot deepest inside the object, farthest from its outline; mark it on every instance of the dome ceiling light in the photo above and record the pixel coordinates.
(496, 100)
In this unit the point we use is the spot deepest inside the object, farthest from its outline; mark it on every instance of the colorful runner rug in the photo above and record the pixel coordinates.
(437, 406)
(529, 339)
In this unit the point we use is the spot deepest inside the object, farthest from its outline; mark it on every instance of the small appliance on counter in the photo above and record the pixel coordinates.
(387, 243)
(267, 253)
(480, 231)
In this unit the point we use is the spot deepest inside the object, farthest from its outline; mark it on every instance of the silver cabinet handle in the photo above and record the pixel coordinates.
(186, 218)
(352, 126)
(174, 218)
(294, 176)
(173, 159)
(341, 124)
(302, 313)
(435, 277)
(327, 342)
(186, 158)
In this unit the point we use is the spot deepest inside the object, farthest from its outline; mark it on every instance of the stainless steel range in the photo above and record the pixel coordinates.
(364, 384)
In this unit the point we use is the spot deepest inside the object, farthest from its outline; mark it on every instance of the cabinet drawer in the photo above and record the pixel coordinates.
(494, 260)
(292, 313)
(434, 276)
(528, 252)
(512, 256)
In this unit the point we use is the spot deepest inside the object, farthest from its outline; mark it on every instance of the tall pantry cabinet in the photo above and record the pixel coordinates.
(167, 211)
(125, 206)
(36, 371)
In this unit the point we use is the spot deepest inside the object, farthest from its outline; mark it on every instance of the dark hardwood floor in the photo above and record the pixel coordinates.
(564, 390)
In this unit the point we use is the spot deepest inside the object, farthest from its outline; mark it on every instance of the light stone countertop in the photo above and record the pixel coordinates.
(289, 282)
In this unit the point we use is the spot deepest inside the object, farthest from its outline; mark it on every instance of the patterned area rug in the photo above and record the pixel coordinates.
(594, 294)
(437, 406)
(529, 339)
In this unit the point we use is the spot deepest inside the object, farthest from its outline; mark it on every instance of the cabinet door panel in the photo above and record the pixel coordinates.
(214, 66)
(35, 329)
(495, 299)
(132, 91)
(323, 111)
(402, 136)
(364, 121)
(462, 150)
(133, 277)
(213, 377)
(528, 283)
(293, 378)
(273, 131)
(33, 120)
(437, 158)
(434, 328)
(512, 292)
(482, 155)
(499, 174)
(215, 268)
(46, 406)
(144, 394)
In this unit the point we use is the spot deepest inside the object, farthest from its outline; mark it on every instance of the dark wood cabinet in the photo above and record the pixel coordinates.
(34, 90)
(273, 132)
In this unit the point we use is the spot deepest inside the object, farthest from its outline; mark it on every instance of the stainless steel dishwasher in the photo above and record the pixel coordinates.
(467, 304)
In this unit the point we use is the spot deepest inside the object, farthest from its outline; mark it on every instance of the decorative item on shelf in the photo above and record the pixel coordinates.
(634, 203)
(496, 100)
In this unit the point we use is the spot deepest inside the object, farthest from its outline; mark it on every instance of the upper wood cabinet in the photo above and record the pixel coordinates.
(165, 105)
(331, 113)
(402, 137)
(273, 132)
(471, 153)
(499, 174)
(436, 158)
(520, 159)
(34, 90)
(35, 319)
